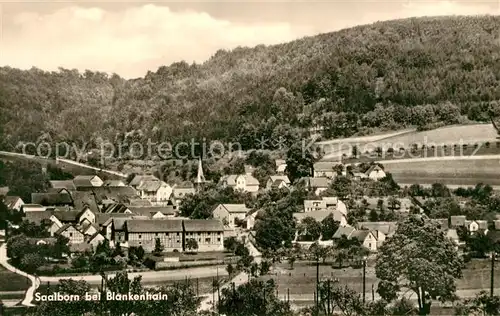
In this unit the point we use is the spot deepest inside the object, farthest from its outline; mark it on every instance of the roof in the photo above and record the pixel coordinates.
(344, 231)
(235, 208)
(4, 190)
(92, 237)
(37, 217)
(443, 222)
(63, 184)
(149, 211)
(319, 215)
(114, 208)
(138, 202)
(63, 228)
(457, 220)
(113, 183)
(482, 224)
(182, 191)
(281, 178)
(119, 223)
(360, 234)
(81, 247)
(48, 240)
(84, 180)
(67, 216)
(452, 233)
(280, 162)
(231, 179)
(372, 168)
(249, 169)
(48, 199)
(139, 178)
(150, 185)
(326, 166)
(85, 198)
(314, 203)
(387, 228)
(102, 218)
(150, 225)
(497, 224)
(10, 201)
(117, 194)
(319, 182)
(203, 225)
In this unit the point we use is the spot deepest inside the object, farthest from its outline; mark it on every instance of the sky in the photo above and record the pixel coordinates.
(130, 38)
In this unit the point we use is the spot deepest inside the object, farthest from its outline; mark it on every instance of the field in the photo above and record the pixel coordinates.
(9, 281)
(301, 281)
(452, 172)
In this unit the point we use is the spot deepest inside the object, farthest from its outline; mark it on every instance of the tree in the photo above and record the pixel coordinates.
(159, 247)
(191, 244)
(420, 258)
(291, 260)
(341, 187)
(230, 269)
(310, 228)
(253, 298)
(333, 296)
(299, 162)
(482, 304)
(328, 227)
(30, 262)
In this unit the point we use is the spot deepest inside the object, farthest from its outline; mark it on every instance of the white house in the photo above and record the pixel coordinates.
(280, 166)
(250, 219)
(321, 215)
(366, 238)
(314, 205)
(242, 182)
(156, 191)
(96, 239)
(230, 213)
(326, 203)
(375, 172)
(13, 202)
(476, 225)
(277, 182)
(86, 214)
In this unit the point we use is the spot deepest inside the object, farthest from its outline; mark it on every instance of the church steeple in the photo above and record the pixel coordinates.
(200, 178)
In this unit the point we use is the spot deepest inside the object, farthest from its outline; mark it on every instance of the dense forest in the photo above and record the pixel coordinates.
(420, 72)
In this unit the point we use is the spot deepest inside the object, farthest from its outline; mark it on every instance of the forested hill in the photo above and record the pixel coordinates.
(387, 75)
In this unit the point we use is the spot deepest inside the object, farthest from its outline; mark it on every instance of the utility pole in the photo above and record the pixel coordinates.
(364, 279)
(317, 286)
(492, 285)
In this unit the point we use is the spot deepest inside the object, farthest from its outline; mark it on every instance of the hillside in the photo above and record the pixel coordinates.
(422, 72)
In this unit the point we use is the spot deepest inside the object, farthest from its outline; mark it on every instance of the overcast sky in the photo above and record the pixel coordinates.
(135, 37)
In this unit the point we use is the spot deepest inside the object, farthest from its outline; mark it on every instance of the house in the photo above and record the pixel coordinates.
(118, 230)
(106, 195)
(443, 223)
(208, 233)
(375, 172)
(95, 239)
(155, 191)
(89, 229)
(69, 231)
(113, 183)
(359, 176)
(245, 183)
(317, 184)
(63, 184)
(38, 217)
(277, 182)
(139, 203)
(230, 214)
(457, 221)
(86, 181)
(321, 215)
(145, 232)
(138, 179)
(13, 202)
(453, 235)
(382, 230)
(314, 205)
(52, 199)
(366, 238)
(280, 166)
(250, 219)
(26, 208)
(326, 169)
(346, 231)
(156, 212)
(88, 199)
(180, 191)
(86, 214)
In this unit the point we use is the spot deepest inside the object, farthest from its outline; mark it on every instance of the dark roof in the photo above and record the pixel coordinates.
(114, 208)
(343, 231)
(147, 211)
(67, 216)
(85, 198)
(51, 199)
(117, 194)
(203, 225)
(102, 218)
(63, 184)
(10, 201)
(81, 247)
(82, 181)
(149, 225)
(360, 234)
(37, 217)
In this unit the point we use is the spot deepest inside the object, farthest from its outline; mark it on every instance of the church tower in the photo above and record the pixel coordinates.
(200, 178)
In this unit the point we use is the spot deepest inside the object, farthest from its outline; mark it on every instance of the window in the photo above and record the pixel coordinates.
(156, 234)
(369, 245)
(199, 239)
(218, 239)
(70, 234)
(177, 234)
(139, 236)
(207, 239)
(178, 241)
(140, 243)
(166, 234)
